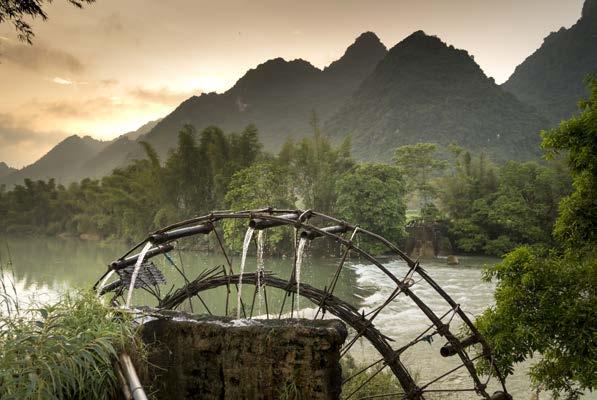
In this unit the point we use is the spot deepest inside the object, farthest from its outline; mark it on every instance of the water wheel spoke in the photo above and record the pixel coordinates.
(230, 270)
(451, 371)
(384, 395)
(333, 282)
(362, 371)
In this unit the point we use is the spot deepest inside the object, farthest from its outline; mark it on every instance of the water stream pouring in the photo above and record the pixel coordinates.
(300, 250)
(138, 264)
(243, 259)
(260, 268)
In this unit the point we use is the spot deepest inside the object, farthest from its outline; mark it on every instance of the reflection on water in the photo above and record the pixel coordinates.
(46, 266)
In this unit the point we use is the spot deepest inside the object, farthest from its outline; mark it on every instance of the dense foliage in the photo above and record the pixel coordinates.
(493, 209)
(546, 300)
(419, 164)
(63, 350)
(373, 195)
(483, 207)
(211, 170)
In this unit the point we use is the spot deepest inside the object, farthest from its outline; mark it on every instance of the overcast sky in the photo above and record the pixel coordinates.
(111, 67)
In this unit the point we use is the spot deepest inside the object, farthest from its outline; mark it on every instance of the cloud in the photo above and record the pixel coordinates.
(62, 81)
(108, 82)
(39, 57)
(68, 82)
(160, 96)
(93, 107)
(19, 143)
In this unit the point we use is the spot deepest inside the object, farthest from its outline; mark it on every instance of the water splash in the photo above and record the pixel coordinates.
(243, 259)
(140, 259)
(300, 251)
(260, 268)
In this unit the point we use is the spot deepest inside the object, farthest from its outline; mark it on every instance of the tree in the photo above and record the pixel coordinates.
(372, 197)
(17, 11)
(258, 186)
(316, 166)
(418, 166)
(546, 300)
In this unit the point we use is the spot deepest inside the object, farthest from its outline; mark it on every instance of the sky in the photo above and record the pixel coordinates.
(111, 67)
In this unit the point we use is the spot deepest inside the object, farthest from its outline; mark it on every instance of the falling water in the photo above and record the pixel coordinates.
(299, 260)
(246, 243)
(103, 282)
(136, 272)
(260, 243)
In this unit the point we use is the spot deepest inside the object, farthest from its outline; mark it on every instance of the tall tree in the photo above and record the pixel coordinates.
(546, 300)
(372, 197)
(419, 165)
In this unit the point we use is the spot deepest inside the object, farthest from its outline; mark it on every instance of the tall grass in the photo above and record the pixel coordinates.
(62, 350)
(372, 382)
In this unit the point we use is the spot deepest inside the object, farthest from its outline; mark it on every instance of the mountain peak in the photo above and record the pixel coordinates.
(359, 59)
(366, 40)
(367, 45)
(422, 40)
(420, 53)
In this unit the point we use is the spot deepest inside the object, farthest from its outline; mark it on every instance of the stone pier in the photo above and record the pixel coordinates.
(194, 357)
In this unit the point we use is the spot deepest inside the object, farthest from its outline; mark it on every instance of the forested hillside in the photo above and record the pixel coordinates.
(427, 91)
(552, 78)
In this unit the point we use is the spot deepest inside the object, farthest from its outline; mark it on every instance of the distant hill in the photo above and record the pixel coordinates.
(277, 96)
(77, 157)
(117, 153)
(5, 170)
(62, 162)
(552, 78)
(143, 130)
(427, 91)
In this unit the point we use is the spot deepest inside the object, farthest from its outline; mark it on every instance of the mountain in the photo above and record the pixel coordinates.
(118, 152)
(427, 91)
(5, 170)
(552, 78)
(277, 96)
(62, 162)
(79, 157)
(143, 130)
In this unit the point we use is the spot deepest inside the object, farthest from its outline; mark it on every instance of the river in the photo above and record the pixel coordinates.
(43, 267)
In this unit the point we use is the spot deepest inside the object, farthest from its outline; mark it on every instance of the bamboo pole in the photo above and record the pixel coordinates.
(130, 374)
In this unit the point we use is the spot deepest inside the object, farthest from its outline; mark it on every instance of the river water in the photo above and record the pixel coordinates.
(43, 267)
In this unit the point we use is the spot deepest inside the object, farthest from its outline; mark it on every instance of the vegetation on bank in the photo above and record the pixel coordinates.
(546, 298)
(63, 350)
